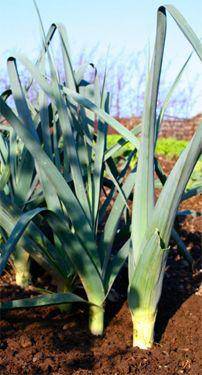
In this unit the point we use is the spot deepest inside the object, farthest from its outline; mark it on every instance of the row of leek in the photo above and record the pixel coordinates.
(61, 221)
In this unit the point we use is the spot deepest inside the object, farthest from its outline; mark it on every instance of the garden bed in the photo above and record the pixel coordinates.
(45, 341)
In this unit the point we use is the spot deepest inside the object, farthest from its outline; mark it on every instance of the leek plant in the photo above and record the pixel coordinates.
(18, 186)
(17, 181)
(152, 222)
(67, 141)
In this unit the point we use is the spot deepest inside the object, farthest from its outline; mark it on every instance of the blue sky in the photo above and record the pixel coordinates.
(118, 23)
(129, 23)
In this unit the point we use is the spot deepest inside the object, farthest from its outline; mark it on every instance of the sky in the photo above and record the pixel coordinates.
(128, 24)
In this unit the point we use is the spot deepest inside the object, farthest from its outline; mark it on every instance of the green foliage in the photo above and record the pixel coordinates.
(169, 147)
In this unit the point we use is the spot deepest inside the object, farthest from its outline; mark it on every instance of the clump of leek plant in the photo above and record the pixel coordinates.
(152, 222)
(66, 136)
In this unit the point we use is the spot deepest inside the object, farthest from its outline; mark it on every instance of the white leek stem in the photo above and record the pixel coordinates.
(96, 320)
(143, 328)
(22, 277)
(22, 268)
(63, 287)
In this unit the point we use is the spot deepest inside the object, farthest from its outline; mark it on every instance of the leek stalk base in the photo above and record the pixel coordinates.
(143, 329)
(96, 320)
(21, 264)
(22, 277)
(62, 287)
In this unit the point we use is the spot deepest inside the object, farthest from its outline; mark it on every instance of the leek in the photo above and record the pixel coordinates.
(152, 223)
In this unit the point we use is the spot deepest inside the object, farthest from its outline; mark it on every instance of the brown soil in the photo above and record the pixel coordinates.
(173, 127)
(45, 341)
